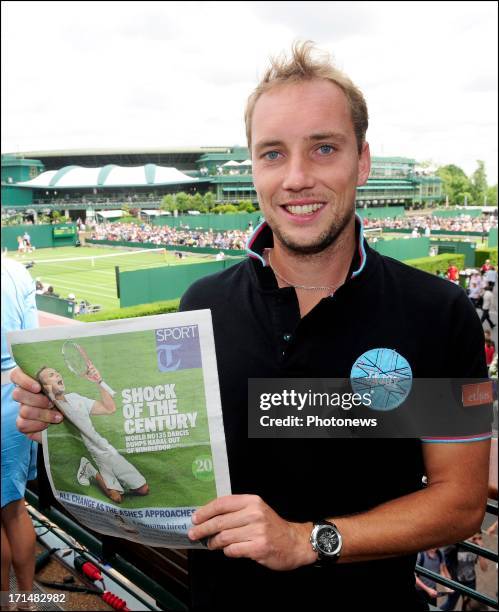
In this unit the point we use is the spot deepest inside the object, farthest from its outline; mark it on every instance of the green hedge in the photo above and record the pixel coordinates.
(438, 262)
(130, 219)
(143, 310)
(485, 253)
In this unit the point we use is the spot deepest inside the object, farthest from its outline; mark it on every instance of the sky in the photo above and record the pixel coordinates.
(177, 74)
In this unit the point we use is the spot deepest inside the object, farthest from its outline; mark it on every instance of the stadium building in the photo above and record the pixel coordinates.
(83, 181)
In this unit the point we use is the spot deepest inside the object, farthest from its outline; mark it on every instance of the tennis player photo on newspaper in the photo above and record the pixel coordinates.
(114, 475)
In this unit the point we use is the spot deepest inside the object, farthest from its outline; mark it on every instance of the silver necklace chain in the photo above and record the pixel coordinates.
(330, 288)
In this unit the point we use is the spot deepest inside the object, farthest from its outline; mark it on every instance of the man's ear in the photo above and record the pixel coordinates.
(364, 165)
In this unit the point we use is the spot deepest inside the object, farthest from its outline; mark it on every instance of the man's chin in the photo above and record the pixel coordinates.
(310, 247)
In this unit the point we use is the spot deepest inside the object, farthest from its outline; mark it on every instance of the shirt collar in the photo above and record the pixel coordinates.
(262, 238)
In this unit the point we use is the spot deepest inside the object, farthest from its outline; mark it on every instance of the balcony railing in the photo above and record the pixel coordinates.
(481, 551)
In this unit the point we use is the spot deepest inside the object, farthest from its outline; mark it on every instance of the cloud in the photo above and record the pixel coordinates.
(319, 21)
(137, 74)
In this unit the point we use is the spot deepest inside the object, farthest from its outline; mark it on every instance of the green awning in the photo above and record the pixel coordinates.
(250, 188)
(386, 188)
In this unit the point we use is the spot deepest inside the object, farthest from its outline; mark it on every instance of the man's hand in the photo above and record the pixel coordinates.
(36, 411)
(245, 526)
(93, 374)
(432, 593)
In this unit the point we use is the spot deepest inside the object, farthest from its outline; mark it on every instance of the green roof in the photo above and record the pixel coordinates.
(386, 187)
(250, 188)
(399, 160)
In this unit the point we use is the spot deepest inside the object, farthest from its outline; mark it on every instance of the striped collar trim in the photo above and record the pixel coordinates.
(259, 240)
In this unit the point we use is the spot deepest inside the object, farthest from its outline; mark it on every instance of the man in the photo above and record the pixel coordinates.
(490, 277)
(50, 291)
(433, 560)
(488, 302)
(113, 471)
(453, 273)
(311, 298)
(475, 290)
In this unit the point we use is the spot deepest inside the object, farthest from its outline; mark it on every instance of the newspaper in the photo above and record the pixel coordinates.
(142, 444)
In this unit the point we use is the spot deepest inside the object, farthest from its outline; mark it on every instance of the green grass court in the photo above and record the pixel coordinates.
(95, 281)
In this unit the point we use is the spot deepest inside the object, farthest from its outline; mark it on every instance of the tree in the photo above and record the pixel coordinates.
(479, 183)
(464, 198)
(197, 202)
(492, 196)
(246, 206)
(455, 183)
(209, 200)
(183, 201)
(224, 209)
(168, 203)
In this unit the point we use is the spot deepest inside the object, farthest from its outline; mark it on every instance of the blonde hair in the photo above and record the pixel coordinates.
(303, 66)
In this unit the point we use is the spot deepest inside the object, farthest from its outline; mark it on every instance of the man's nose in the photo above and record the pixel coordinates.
(298, 174)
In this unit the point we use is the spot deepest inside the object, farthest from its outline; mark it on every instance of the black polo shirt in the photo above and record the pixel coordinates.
(259, 334)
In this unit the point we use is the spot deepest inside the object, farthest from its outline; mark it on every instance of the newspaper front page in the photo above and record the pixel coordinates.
(142, 444)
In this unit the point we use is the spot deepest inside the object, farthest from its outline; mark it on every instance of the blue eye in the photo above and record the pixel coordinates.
(325, 149)
(271, 155)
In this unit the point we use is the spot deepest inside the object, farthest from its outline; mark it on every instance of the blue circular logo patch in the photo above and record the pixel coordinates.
(385, 375)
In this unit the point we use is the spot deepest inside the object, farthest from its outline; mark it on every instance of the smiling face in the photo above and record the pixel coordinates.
(306, 164)
(52, 381)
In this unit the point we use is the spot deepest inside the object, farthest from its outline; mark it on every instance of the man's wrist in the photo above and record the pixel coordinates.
(307, 555)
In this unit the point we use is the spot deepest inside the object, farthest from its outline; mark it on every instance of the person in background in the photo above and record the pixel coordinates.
(491, 277)
(488, 300)
(450, 558)
(20, 245)
(475, 290)
(466, 563)
(50, 291)
(18, 451)
(83, 307)
(433, 560)
(72, 298)
(453, 273)
(486, 266)
(39, 286)
(490, 347)
(27, 242)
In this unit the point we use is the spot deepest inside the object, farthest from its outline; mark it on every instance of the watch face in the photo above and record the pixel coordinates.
(327, 540)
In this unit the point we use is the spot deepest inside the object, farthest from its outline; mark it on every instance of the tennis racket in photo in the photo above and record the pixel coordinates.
(78, 362)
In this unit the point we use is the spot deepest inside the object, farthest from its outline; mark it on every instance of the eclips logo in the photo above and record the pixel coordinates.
(478, 394)
(385, 375)
(177, 348)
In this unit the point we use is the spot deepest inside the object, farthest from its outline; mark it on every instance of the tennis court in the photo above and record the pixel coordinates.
(89, 272)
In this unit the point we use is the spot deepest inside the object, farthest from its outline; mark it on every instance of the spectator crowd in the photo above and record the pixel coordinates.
(425, 224)
(144, 233)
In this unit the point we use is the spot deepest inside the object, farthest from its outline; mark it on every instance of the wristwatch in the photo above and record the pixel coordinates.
(326, 541)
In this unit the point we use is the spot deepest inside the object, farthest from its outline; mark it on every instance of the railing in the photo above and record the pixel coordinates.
(106, 550)
(479, 550)
(457, 586)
